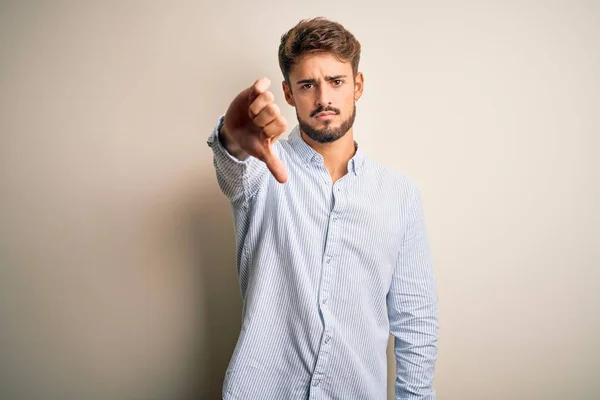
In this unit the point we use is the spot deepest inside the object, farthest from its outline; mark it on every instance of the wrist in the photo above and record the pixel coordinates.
(230, 144)
(225, 139)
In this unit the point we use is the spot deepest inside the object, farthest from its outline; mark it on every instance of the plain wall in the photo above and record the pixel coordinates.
(117, 264)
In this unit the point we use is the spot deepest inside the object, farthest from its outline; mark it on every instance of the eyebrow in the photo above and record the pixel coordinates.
(327, 78)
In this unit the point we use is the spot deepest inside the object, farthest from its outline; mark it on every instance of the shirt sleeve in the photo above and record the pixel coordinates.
(239, 180)
(413, 310)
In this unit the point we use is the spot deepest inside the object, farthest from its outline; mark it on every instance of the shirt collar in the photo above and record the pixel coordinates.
(310, 155)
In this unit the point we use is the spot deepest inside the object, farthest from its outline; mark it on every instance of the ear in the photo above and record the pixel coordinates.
(287, 91)
(359, 83)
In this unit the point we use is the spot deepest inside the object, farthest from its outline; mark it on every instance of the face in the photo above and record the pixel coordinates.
(324, 91)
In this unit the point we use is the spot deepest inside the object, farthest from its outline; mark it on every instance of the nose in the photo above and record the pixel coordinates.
(323, 98)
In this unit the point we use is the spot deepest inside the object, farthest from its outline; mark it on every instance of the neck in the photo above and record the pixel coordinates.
(335, 154)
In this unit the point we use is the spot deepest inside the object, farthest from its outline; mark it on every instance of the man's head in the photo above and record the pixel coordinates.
(319, 61)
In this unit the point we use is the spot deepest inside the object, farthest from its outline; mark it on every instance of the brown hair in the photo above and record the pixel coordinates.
(317, 35)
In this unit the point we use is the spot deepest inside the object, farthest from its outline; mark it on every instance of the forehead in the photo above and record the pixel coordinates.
(319, 65)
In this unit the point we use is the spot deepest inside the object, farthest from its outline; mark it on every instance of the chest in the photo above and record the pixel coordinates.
(352, 217)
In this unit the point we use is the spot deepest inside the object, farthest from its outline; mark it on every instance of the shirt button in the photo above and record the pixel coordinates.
(316, 382)
(324, 301)
(327, 339)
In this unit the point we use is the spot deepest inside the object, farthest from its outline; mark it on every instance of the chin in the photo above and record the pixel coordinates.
(329, 123)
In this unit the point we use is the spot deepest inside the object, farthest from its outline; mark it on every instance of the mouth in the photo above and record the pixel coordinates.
(327, 115)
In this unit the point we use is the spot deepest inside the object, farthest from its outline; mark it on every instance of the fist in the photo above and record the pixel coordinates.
(253, 122)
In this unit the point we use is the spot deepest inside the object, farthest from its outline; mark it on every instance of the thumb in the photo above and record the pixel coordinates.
(275, 165)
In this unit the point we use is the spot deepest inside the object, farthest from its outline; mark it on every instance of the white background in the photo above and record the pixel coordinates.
(117, 264)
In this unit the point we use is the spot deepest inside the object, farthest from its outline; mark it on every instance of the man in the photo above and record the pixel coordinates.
(332, 251)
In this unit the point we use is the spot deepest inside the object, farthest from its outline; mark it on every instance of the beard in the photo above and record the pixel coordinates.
(327, 134)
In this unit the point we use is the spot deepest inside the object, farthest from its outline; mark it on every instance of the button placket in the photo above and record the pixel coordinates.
(329, 254)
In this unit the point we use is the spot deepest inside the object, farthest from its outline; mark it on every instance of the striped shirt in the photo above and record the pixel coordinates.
(327, 271)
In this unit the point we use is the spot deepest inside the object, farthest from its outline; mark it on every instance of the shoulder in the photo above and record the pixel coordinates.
(398, 182)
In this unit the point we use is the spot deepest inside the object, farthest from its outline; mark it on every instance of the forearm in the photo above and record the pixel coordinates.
(415, 348)
(238, 179)
(412, 308)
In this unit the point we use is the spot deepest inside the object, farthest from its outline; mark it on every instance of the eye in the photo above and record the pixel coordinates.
(337, 82)
(306, 86)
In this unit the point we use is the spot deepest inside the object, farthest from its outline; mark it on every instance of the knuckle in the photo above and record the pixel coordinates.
(272, 110)
(253, 109)
(276, 109)
(259, 120)
(255, 88)
(269, 96)
(261, 85)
